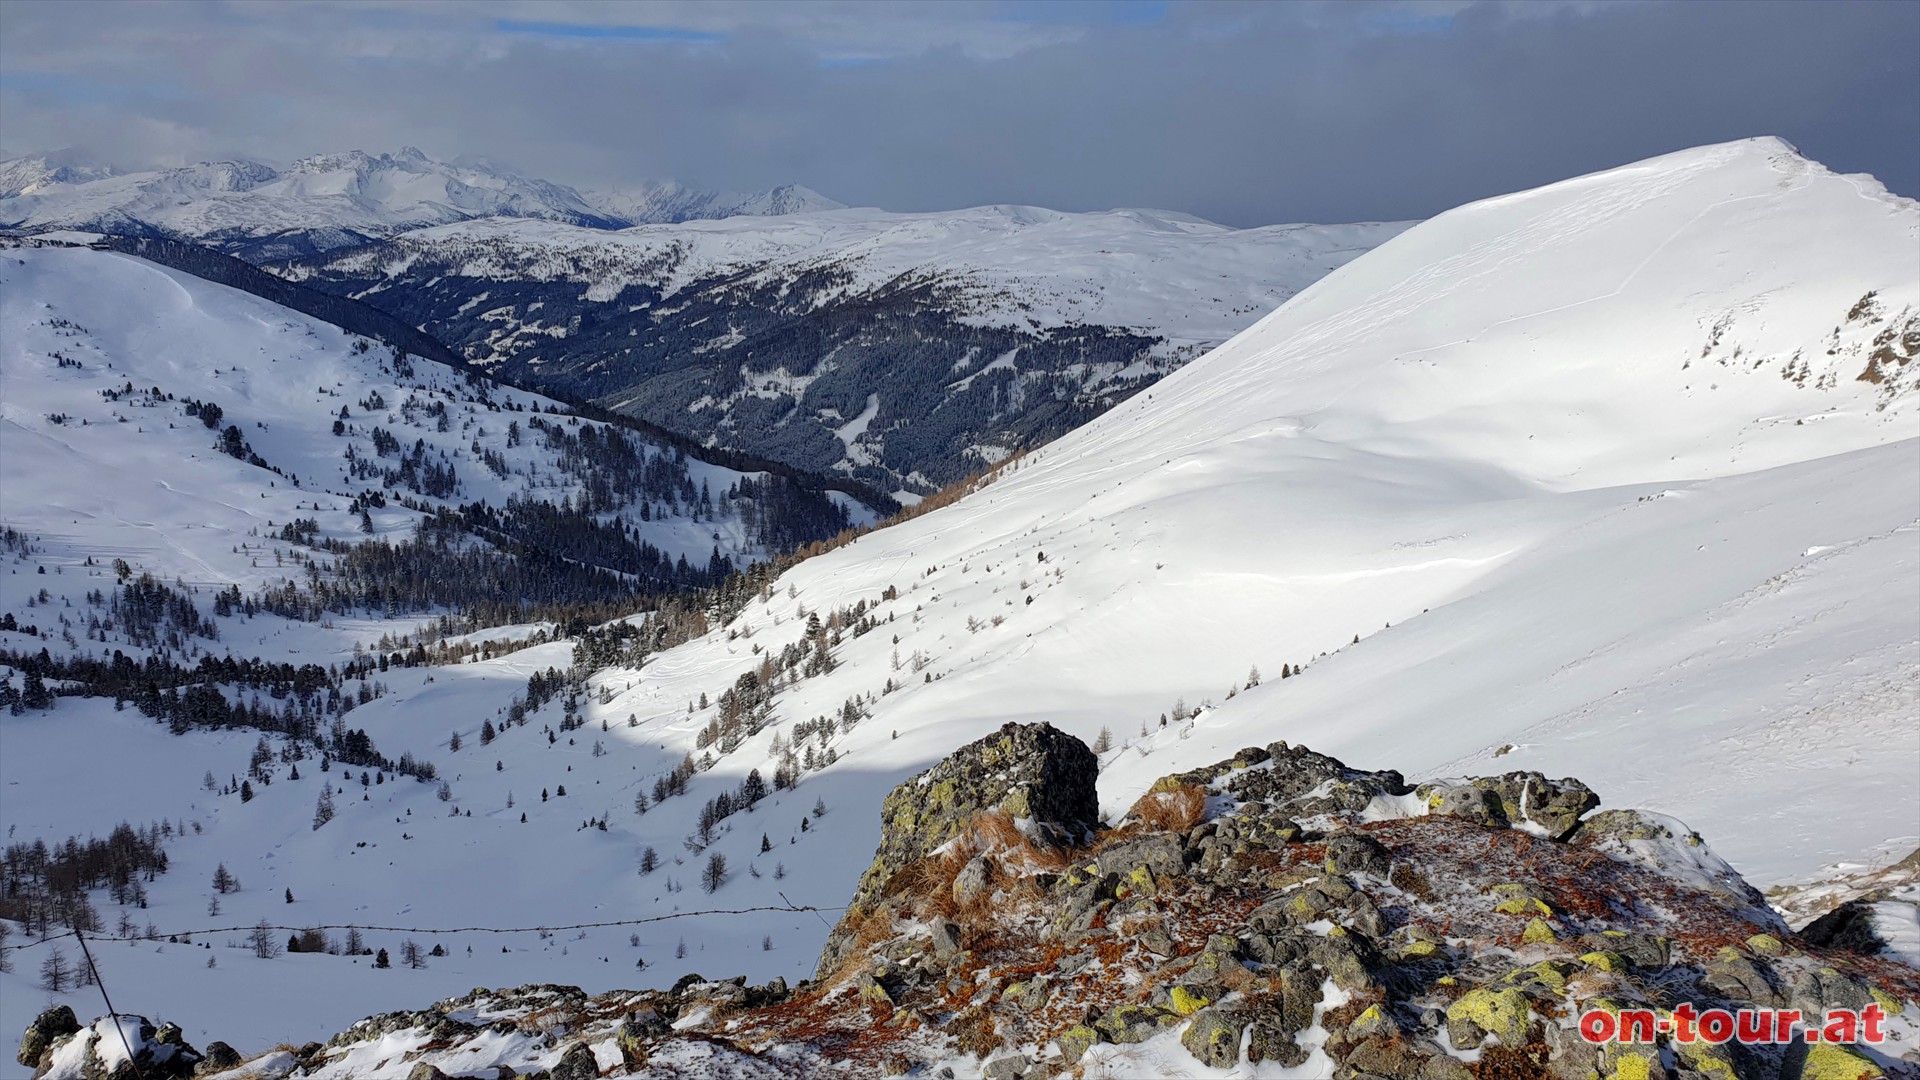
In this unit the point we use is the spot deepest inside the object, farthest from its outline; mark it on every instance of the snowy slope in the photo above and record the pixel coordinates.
(1519, 434)
(95, 466)
(332, 200)
(957, 334)
(1563, 442)
(281, 376)
(1188, 280)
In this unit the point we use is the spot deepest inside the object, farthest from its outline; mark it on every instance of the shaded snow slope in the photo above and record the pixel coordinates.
(96, 467)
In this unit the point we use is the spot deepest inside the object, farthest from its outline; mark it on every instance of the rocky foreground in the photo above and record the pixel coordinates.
(1279, 914)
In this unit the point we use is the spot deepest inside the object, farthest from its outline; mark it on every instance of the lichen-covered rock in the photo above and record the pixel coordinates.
(1350, 852)
(55, 1023)
(1298, 783)
(1214, 1036)
(974, 881)
(1740, 978)
(219, 1057)
(1503, 1014)
(1159, 853)
(1269, 1042)
(577, 1063)
(1135, 1023)
(1648, 952)
(1521, 800)
(1077, 1040)
(1036, 774)
(1829, 1061)
(86, 1051)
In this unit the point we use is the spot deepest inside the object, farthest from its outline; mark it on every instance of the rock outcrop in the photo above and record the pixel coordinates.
(56, 1047)
(1276, 911)
(1039, 778)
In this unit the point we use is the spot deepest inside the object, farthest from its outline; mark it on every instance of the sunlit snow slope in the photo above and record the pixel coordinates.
(1628, 463)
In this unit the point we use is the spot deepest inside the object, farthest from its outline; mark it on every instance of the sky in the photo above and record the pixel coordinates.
(1243, 113)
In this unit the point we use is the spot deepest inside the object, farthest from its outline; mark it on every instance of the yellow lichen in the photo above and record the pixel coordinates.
(1501, 1013)
(1631, 1066)
(1186, 1002)
(1707, 1059)
(1836, 1061)
(1603, 960)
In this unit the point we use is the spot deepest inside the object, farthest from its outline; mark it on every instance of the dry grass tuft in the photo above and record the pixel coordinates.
(974, 1032)
(1175, 810)
(926, 886)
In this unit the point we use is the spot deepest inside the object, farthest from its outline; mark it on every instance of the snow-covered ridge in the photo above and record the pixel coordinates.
(1188, 280)
(339, 199)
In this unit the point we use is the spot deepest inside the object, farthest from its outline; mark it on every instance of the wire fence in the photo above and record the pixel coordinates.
(184, 935)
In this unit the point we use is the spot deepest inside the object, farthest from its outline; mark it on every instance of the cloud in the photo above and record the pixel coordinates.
(1247, 114)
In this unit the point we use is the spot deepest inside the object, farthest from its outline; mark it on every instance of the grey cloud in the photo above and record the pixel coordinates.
(1246, 114)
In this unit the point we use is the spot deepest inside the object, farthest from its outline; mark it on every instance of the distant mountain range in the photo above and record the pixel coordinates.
(331, 201)
(902, 350)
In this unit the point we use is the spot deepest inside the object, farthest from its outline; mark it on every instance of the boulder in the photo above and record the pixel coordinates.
(1521, 800)
(1504, 1014)
(974, 881)
(1300, 783)
(153, 1059)
(1214, 1036)
(1350, 851)
(1159, 853)
(220, 1057)
(1851, 926)
(578, 1063)
(49, 1027)
(1036, 774)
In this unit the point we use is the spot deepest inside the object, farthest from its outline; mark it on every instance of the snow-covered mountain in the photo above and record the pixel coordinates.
(666, 202)
(1618, 478)
(27, 175)
(908, 350)
(330, 201)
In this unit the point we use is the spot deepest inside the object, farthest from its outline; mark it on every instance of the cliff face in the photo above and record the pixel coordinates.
(1277, 910)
